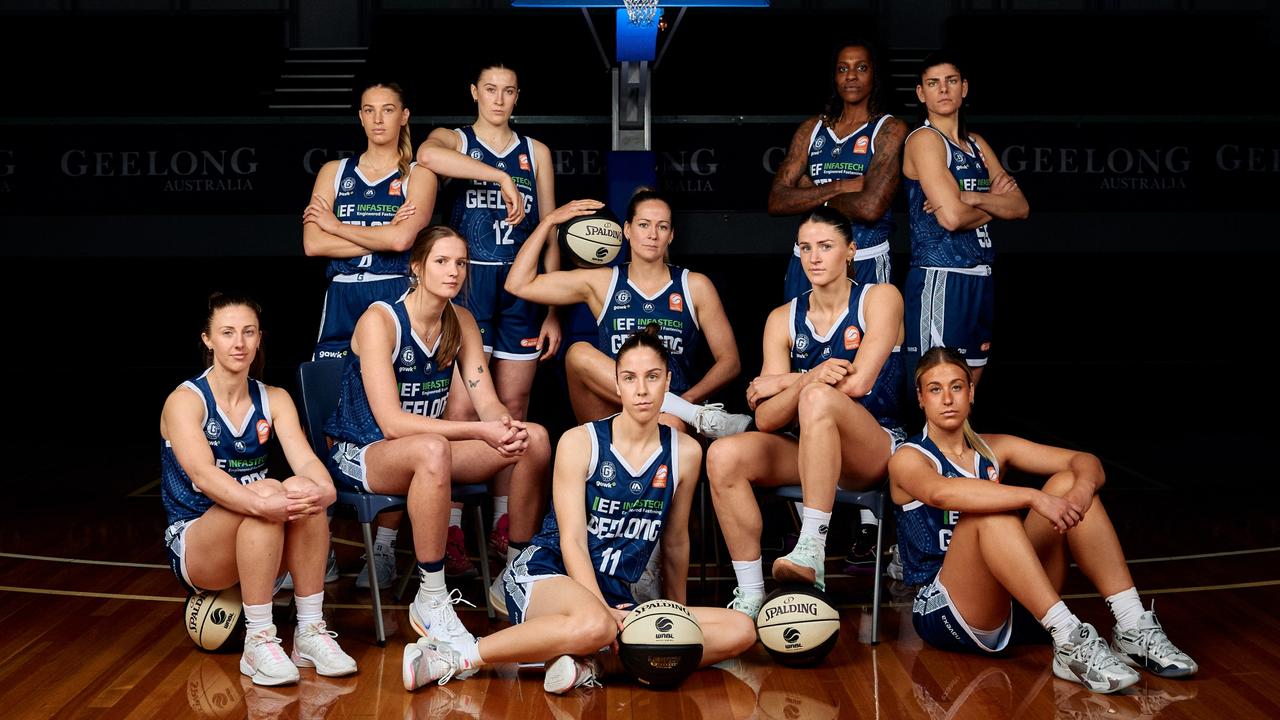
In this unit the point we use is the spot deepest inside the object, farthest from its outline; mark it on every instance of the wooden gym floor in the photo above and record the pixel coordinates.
(90, 627)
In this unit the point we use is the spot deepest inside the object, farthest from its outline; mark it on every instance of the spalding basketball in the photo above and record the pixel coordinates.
(798, 625)
(215, 620)
(660, 643)
(212, 694)
(592, 240)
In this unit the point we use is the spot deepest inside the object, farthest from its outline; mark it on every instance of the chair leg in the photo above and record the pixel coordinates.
(703, 555)
(374, 590)
(484, 560)
(879, 578)
(403, 583)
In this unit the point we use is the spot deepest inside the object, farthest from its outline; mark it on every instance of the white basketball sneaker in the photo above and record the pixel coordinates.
(436, 619)
(1146, 646)
(806, 563)
(747, 604)
(1086, 659)
(264, 660)
(568, 672)
(384, 565)
(711, 421)
(431, 661)
(314, 646)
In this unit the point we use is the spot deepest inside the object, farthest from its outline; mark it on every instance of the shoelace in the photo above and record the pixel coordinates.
(321, 630)
(453, 624)
(1095, 654)
(273, 644)
(589, 668)
(706, 420)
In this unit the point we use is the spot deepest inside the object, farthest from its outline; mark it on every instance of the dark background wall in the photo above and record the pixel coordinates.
(1132, 305)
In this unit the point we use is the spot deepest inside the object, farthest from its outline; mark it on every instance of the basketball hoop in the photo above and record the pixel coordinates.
(641, 12)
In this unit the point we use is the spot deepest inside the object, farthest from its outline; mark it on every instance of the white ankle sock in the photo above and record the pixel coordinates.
(866, 517)
(499, 508)
(256, 617)
(750, 574)
(455, 517)
(386, 536)
(470, 653)
(814, 524)
(1126, 606)
(1060, 622)
(310, 608)
(432, 585)
(675, 405)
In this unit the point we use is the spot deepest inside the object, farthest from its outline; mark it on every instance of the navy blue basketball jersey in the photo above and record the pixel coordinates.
(360, 201)
(625, 506)
(626, 311)
(809, 349)
(239, 448)
(833, 158)
(423, 385)
(933, 245)
(477, 210)
(924, 533)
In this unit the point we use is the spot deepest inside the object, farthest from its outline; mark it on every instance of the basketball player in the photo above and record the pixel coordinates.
(568, 592)
(625, 298)
(955, 187)
(228, 522)
(352, 218)
(832, 369)
(495, 227)
(848, 158)
(960, 533)
(391, 439)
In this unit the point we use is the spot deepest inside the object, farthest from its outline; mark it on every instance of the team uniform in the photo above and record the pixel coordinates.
(924, 534)
(949, 292)
(832, 158)
(509, 326)
(356, 283)
(240, 449)
(809, 349)
(626, 311)
(625, 510)
(424, 390)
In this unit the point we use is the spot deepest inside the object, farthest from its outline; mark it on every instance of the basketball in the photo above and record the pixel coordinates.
(212, 694)
(660, 643)
(215, 620)
(798, 625)
(592, 240)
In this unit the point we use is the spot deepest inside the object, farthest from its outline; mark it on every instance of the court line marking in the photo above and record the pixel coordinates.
(139, 492)
(79, 561)
(850, 606)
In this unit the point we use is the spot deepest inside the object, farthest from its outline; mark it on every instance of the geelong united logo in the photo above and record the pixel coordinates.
(622, 298)
(348, 184)
(406, 357)
(213, 429)
(477, 154)
(802, 342)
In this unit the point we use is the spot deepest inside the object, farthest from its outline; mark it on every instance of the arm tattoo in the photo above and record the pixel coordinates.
(473, 383)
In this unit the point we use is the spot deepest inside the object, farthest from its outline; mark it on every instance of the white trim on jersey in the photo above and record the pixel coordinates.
(337, 178)
(608, 298)
(462, 135)
(324, 312)
(675, 460)
(395, 352)
(876, 131)
(862, 307)
(841, 140)
(831, 331)
(617, 454)
(244, 424)
(363, 278)
(912, 505)
(192, 387)
(791, 320)
(946, 144)
(421, 343)
(817, 128)
(500, 355)
(533, 165)
(870, 253)
(266, 402)
(379, 181)
(976, 362)
(595, 449)
(688, 297)
(652, 297)
(976, 270)
(515, 143)
(933, 309)
(926, 453)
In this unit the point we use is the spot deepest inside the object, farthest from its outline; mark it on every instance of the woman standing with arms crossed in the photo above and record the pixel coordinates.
(955, 187)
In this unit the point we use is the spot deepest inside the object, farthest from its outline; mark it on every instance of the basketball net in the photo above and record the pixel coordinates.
(641, 12)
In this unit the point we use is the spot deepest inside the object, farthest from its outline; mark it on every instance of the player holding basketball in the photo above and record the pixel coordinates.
(955, 187)
(495, 210)
(961, 532)
(391, 439)
(228, 522)
(623, 299)
(832, 367)
(622, 485)
(848, 158)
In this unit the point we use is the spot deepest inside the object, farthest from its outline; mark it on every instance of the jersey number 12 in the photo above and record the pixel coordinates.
(502, 232)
